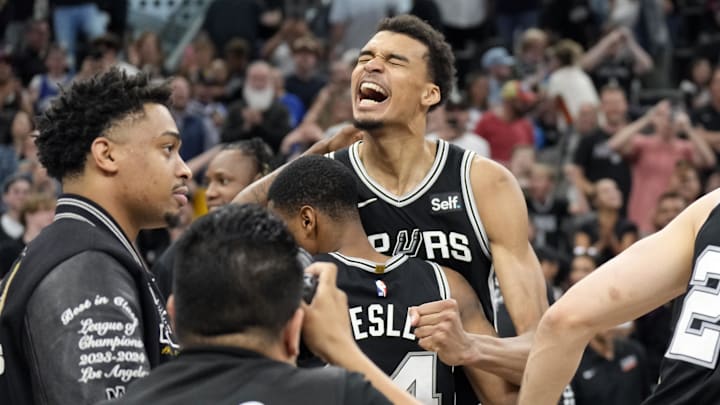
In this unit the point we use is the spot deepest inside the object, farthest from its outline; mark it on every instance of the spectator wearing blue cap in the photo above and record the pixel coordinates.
(498, 63)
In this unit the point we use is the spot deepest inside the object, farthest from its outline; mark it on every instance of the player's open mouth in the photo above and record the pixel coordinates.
(371, 94)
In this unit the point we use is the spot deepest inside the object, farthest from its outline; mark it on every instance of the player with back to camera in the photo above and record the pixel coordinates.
(316, 197)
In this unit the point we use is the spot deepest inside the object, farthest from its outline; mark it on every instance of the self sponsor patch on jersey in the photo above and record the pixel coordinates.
(445, 202)
(381, 288)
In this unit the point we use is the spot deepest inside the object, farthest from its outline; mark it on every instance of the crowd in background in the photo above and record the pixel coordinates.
(606, 111)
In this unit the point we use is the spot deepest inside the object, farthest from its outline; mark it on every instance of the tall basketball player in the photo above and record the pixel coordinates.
(430, 199)
(316, 198)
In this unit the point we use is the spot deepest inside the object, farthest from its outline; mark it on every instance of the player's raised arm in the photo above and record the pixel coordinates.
(504, 214)
(646, 275)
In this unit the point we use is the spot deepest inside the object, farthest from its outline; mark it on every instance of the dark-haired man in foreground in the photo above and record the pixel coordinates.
(80, 315)
(237, 312)
(430, 199)
(316, 197)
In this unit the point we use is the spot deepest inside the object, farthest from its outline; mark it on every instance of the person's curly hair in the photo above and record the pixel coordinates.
(440, 58)
(85, 111)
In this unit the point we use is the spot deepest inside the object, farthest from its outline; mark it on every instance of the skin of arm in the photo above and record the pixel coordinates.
(648, 274)
(256, 193)
(620, 142)
(597, 53)
(642, 61)
(326, 332)
(703, 155)
(711, 137)
(449, 327)
(516, 266)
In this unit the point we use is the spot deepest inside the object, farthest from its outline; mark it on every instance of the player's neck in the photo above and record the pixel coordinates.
(354, 243)
(397, 161)
(108, 202)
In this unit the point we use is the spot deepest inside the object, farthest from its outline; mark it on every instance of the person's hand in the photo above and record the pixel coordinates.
(343, 138)
(326, 326)
(251, 116)
(439, 329)
(682, 122)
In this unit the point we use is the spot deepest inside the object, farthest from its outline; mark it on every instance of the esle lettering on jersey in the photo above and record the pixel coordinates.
(437, 244)
(377, 320)
(446, 202)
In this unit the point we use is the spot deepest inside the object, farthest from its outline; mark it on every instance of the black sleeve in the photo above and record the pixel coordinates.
(84, 336)
(359, 391)
(583, 153)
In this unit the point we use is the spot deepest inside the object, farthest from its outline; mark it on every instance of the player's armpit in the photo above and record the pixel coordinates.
(504, 215)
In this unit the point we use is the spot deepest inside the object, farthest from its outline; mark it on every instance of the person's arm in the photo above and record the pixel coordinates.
(703, 156)
(516, 266)
(595, 55)
(642, 62)
(327, 334)
(202, 160)
(452, 328)
(256, 193)
(84, 332)
(649, 273)
(621, 141)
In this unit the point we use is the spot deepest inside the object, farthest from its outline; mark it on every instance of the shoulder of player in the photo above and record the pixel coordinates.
(487, 173)
(697, 213)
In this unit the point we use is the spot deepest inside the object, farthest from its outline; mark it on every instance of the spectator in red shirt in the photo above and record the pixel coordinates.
(507, 126)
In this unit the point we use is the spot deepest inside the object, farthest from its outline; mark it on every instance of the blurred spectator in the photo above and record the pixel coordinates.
(668, 206)
(548, 212)
(608, 233)
(305, 81)
(581, 266)
(685, 181)
(36, 212)
(530, 53)
(428, 11)
(696, 87)
(616, 58)
(335, 91)
(569, 86)
(550, 263)
(45, 87)
(30, 58)
(12, 99)
(653, 157)
(477, 91)
(291, 102)
(278, 48)
(259, 113)
(572, 19)
(611, 360)
(353, 22)
(13, 16)
(594, 159)
(450, 124)
(521, 164)
(514, 17)
(708, 118)
(229, 19)
(197, 57)
(507, 126)
(237, 56)
(498, 63)
(109, 48)
(15, 191)
(465, 25)
(191, 126)
(208, 92)
(74, 17)
(146, 54)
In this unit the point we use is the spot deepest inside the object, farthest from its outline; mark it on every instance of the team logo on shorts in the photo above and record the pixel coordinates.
(381, 288)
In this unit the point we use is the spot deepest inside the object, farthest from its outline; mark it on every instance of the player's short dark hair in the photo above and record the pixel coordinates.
(440, 58)
(236, 271)
(85, 111)
(257, 149)
(322, 183)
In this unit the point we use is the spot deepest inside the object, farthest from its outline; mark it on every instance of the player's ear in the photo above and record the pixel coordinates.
(308, 219)
(291, 335)
(431, 95)
(103, 152)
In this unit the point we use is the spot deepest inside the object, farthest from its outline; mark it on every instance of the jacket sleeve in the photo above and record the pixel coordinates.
(84, 332)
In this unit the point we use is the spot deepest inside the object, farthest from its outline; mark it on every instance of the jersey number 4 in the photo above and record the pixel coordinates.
(697, 334)
(416, 374)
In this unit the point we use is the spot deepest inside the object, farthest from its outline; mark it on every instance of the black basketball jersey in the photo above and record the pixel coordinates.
(378, 300)
(689, 372)
(438, 220)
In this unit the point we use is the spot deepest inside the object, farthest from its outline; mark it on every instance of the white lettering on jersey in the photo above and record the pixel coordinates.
(381, 320)
(438, 244)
